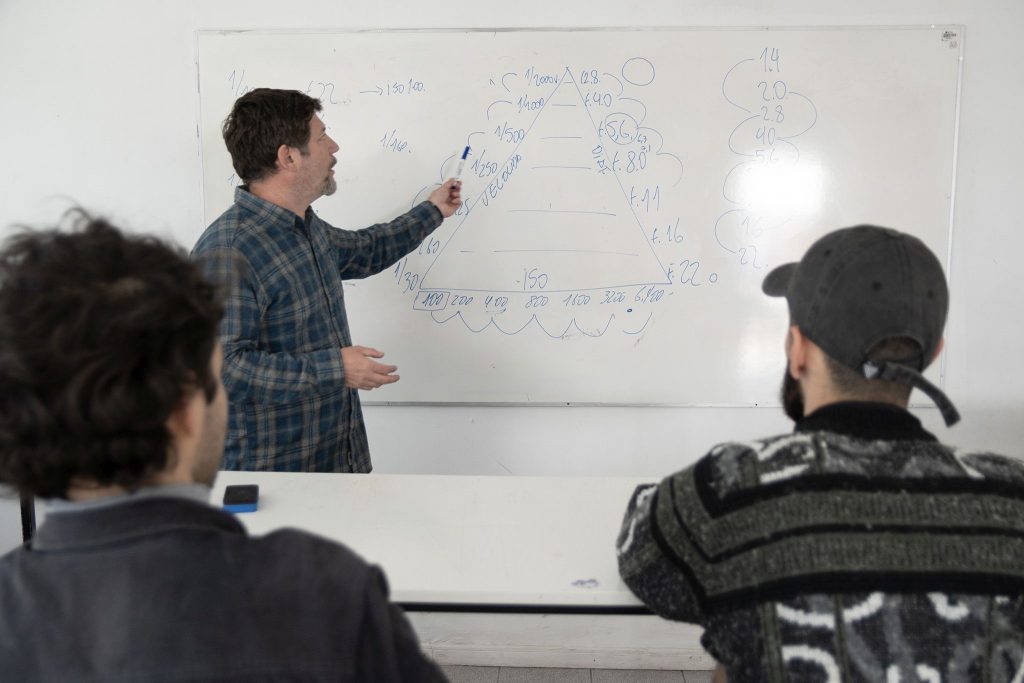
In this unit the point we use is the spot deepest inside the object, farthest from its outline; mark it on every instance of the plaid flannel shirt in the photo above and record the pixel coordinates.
(285, 325)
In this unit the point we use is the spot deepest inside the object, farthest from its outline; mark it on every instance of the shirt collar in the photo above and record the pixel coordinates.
(135, 519)
(866, 421)
(270, 211)
(195, 492)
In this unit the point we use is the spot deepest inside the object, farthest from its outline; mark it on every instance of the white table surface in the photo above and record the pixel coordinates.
(542, 542)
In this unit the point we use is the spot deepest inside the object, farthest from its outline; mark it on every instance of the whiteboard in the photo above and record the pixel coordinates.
(626, 191)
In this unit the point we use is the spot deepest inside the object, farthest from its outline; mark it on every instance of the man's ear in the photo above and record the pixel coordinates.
(186, 420)
(796, 351)
(938, 349)
(285, 160)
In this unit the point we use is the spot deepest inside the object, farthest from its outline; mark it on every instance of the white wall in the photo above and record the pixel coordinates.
(99, 105)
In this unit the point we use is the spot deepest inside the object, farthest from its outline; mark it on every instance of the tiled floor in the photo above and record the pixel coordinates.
(494, 674)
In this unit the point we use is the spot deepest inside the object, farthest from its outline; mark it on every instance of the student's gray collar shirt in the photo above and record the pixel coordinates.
(159, 586)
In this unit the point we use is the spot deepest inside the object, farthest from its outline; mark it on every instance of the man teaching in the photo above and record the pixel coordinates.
(290, 367)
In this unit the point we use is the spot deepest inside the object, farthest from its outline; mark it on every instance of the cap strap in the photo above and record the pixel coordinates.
(894, 372)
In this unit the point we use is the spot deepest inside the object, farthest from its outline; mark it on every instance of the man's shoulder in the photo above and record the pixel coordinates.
(832, 459)
(981, 464)
(234, 225)
(295, 546)
(291, 565)
(735, 465)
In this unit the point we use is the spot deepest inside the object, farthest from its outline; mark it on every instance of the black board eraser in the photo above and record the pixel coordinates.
(241, 497)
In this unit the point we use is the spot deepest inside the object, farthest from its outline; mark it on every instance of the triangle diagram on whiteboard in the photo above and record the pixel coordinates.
(550, 220)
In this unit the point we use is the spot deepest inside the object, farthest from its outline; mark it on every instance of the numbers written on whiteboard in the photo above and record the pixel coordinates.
(391, 142)
(322, 91)
(410, 86)
(507, 133)
(770, 59)
(237, 82)
(407, 279)
(533, 278)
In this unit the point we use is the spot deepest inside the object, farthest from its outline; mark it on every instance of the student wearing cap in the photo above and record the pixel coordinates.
(858, 547)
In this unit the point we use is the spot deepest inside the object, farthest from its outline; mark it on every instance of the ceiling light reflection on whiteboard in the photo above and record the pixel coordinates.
(775, 189)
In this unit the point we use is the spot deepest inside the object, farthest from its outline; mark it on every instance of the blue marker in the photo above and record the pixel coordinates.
(462, 163)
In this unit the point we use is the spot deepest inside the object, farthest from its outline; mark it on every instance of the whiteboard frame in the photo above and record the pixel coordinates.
(958, 29)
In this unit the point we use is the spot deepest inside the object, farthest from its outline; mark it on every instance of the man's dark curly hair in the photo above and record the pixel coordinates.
(260, 122)
(102, 336)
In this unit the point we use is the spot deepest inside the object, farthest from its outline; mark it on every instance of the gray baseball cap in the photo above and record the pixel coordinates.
(858, 286)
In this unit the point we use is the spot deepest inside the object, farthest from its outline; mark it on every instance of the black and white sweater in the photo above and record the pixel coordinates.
(858, 548)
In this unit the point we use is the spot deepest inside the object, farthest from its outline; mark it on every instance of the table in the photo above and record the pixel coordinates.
(499, 571)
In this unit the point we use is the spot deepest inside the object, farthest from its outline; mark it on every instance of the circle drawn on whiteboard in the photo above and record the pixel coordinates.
(638, 71)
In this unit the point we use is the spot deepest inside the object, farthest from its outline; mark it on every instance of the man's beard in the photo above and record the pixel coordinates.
(792, 397)
(330, 187)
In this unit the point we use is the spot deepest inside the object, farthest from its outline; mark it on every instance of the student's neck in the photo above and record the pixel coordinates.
(279, 195)
(816, 397)
(84, 492)
(81, 491)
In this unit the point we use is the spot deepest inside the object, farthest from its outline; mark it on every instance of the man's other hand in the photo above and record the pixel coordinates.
(362, 372)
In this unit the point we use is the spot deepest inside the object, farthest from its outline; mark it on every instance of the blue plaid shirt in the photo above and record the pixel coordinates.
(285, 325)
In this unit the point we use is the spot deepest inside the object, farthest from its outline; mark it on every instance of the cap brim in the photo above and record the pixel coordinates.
(776, 283)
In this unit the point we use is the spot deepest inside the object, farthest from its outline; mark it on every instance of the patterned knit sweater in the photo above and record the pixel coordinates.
(857, 548)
